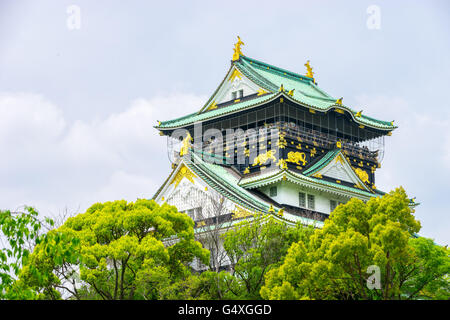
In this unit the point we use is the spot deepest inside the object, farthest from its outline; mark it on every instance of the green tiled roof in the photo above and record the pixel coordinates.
(195, 117)
(277, 175)
(269, 77)
(321, 163)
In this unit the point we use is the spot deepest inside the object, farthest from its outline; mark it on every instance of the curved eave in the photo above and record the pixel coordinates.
(314, 183)
(272, 97)
(345, 109)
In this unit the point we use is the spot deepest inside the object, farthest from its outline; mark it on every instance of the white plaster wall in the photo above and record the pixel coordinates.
(287, 193)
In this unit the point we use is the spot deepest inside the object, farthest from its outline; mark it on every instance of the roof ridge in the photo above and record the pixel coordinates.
(281, 70)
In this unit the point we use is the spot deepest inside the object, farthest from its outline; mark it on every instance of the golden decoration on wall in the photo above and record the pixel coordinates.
(261, 92)
(186, 145)
(281, 143)
(247, 170)
(271, 209)
(262, 158)
(338, 144)
(240, 213)
(184, 172)
(362, 174)
(282, 164)
(296, 157)
(213, 105)
(313, 152)
(339, 159)
(318, 175)
(237, 49)
(299, 146)
(235, 74)
(201, 223)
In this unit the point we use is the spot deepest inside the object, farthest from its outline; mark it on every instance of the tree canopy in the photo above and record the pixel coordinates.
(115, 250)
(358, 241)
(142, 250)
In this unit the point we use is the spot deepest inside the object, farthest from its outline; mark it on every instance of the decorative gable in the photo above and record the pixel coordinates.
(339, 169)
(235, 87)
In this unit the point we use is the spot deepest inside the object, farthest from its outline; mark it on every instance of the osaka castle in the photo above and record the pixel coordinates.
(272, 141)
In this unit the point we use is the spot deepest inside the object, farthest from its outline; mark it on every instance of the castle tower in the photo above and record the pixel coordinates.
(270, 140)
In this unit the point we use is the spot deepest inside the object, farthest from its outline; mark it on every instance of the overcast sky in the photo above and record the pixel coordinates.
(78, 102)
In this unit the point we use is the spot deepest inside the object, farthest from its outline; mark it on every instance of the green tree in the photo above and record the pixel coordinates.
(333, 263)
(19, 233)
(254, 247)
(119, 250)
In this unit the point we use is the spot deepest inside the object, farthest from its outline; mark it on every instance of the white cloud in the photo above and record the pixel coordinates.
(416, 157)
(50, 164)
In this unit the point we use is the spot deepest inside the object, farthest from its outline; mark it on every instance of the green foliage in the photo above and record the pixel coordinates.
(140, 250)
(21, 230)
(116, 250)
(255, 246)
(333, 262)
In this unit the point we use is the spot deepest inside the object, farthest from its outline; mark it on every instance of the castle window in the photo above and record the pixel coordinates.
(273, 191)
(241, 93)
(195, 213)
(333, 205)
(311, 202)
(234, 95)
(301, 199)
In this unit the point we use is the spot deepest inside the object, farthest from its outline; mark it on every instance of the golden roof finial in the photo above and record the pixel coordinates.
(237, 49)
(309, 72)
